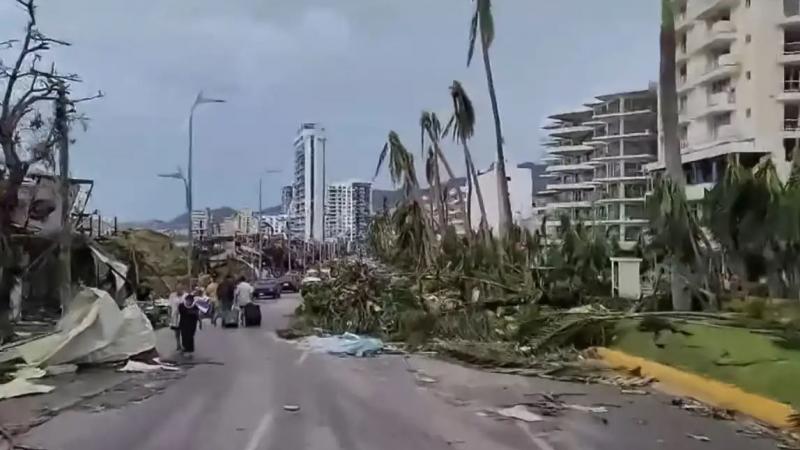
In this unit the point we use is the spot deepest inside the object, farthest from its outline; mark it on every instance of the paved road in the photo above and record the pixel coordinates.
(374, 404)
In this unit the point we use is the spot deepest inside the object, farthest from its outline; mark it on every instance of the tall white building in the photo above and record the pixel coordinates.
(520, 193)
(348, 207)
(307, 219)
(274, 225)
(738, 76)
(596, 163)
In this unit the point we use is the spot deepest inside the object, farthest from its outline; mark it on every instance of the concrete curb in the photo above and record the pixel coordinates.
(706, 390)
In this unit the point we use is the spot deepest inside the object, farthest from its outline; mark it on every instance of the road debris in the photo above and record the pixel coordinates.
(61, 369)
(634, 392)
(140, 367)
(347, 344)
(698, 437)
(587, 409)
(698, 408)
(20, 387)
(291, 408)
(520, 412)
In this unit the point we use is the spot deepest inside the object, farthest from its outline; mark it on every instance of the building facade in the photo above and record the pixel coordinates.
(243, 222)
(348, 207)
(201, 224)
(274, 225)
(287, 193)
(738, 77)
(597, 159)
(307, 219)
(520, 188)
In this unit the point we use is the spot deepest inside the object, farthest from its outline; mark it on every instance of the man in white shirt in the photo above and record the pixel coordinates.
(243, 295)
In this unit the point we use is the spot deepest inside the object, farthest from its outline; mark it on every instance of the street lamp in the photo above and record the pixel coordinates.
(199, 100)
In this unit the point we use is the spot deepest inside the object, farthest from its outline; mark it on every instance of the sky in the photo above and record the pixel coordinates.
(359, 67)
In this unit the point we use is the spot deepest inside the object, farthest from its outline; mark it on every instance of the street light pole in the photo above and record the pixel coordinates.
(189, 188)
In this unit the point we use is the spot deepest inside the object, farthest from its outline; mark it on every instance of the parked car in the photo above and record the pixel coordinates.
(267, 288)
(290, 281)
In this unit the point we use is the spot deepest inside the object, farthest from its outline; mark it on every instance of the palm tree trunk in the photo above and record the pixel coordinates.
(503, 202)
(478, 193)
(446, 164)
(468, 213)
(681, 299)
(440, 195)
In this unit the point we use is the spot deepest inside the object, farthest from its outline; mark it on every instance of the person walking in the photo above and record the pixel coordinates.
(175, 300)
(225, 293)
(189, 318)
(243, 295)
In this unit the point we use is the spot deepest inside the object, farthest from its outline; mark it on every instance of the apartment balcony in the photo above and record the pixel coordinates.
(725, 66)
(602, 119)
(708, 8)
(790, 92)
(621, 200)
(629, 135)
(570, 131)
(719, 103)
(791, 128)
(721, 35)
(570, 149)
(569, 168)
(579, 186)
(570, 205)
(643, 157)
(791, 13)
(628, 176)
(791, 53)
(551, 159)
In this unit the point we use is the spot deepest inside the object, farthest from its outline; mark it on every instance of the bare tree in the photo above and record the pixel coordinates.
(27, 134)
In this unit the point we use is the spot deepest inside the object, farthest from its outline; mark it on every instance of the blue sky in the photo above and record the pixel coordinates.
(360, 67)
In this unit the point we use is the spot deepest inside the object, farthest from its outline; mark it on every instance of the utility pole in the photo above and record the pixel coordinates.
(260, 247)
(65, 241)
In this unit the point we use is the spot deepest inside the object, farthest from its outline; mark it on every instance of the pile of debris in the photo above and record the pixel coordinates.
(94, 330)
(151, 256)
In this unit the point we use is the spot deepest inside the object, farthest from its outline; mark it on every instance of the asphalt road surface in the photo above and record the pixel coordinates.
(383, 403)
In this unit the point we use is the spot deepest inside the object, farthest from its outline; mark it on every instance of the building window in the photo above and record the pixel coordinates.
(748, 75)
(747, 3)
(748, 39)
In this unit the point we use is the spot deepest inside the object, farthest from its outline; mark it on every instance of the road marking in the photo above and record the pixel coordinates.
(261, 431)
(540, 443)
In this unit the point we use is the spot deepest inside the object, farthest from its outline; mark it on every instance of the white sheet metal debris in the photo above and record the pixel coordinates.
(520, 412)
(94, 330)
(140, 367)
(20, 386)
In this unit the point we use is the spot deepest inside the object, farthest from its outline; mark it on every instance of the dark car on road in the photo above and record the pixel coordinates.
(267, 288)
(290, 281)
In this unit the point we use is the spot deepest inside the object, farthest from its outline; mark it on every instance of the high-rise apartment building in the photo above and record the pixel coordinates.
(738, 77)
(307, 219)
(596, 162)
(348, 207)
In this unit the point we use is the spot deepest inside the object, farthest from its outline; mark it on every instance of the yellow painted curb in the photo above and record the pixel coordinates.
(706, 390)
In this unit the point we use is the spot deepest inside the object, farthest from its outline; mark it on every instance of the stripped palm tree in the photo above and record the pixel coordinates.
(482, 24)
(463, 128)
(430, 126)
(436, 204)
(680, 292)
(403, 172)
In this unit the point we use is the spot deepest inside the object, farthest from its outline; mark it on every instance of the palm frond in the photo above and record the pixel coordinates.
(463, 111)
(381, 160)
(486, 22)
(473, 35)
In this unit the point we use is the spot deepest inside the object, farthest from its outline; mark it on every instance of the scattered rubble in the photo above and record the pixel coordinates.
(701, 409)
(520, 412)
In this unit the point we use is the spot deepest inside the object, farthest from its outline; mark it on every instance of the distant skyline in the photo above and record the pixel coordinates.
(358, 67)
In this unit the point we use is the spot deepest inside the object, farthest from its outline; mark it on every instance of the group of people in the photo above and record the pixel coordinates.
(218, 299)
